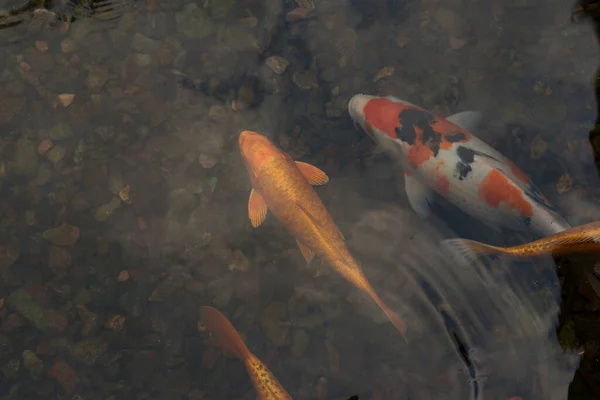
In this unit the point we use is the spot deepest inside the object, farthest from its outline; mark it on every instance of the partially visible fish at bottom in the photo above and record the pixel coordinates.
(227, 337)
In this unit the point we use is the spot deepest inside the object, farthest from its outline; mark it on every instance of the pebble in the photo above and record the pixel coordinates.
(277, 64)
(66, 99)
(63, 235)
(64, 374)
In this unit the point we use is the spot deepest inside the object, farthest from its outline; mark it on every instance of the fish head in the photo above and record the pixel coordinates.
(256, 150)
(381, 118)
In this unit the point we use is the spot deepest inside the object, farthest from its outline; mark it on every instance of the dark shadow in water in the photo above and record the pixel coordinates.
(585, 9)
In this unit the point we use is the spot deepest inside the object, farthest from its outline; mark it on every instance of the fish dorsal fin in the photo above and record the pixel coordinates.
(313, 174)
(257, 208)
(307, 253)
(318, 224)
(468, 120)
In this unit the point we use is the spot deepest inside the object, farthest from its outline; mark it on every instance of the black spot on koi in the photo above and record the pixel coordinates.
(466, 157)
(409, 119)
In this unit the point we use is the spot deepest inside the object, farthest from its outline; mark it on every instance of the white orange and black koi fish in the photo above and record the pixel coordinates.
(441, 155)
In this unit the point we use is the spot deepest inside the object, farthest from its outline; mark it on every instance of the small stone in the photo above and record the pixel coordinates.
(68, 45)
(273, 323)
(221, 8)
(97, 77)
(299, 343)
(384, 72)
(44, 146)
(41, 45)
(8, 256)
(538, 147)
(115, 322)
(64, 374)
(26, 158)
(207, 161)
(141, 43)
(336, 107)
(171, 146)
(123, 276)
(106, 210)
(33, 364)
(56, 155)
(63, 235)
(277, 64)
(66, 99)
(9, 106)
(402, 39)
(457, 43)
(447, 19)
(56, 321)
(305, 80)
(297, 14)
(142, 60)
(239, 262)
(564, 184)
(321, 388)
(193, 22)
(124, 194)
(89, 350)
(218, 113)
(60, 132)
(21, 301)
(59, 260)
(308, 4)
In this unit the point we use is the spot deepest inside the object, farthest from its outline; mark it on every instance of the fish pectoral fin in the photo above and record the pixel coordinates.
(307, 253)
(257, 208)
(313, 174)
(468, 120)
(317, 223)
(420, 196)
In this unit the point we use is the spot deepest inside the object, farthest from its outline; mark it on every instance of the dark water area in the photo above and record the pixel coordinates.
(124, 198)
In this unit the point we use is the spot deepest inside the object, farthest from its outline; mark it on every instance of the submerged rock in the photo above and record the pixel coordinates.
(193, 22)
(21, 301)
(63, 235)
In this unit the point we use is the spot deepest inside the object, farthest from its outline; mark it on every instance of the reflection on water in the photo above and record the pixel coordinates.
(124, 199)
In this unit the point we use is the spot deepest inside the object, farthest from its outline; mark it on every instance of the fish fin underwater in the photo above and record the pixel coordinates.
(307, 253)
(257, 209)
(226, 336)
(468, 120)
(314, 175)
(467, 251)
(420, 196)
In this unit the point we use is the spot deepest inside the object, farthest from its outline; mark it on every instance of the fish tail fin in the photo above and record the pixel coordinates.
(226, 336)
(392, 316)
(466, 250)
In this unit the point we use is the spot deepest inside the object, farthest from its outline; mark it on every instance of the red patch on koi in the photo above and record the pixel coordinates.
(496, 188)
(442, 183)
(382, 113)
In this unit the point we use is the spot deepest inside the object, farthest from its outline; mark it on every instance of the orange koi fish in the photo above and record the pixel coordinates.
(283, 186)
(579, 239)
(226, 336)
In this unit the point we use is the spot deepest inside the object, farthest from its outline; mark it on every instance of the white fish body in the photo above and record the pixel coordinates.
(442, 155)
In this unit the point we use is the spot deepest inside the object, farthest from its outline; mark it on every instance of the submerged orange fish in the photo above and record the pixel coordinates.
(579, 239)
(226, 336)
(283, 186)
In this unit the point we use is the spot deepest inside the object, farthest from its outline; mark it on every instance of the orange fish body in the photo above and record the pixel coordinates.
(265, 383)
(283, 186)
(577, 240)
